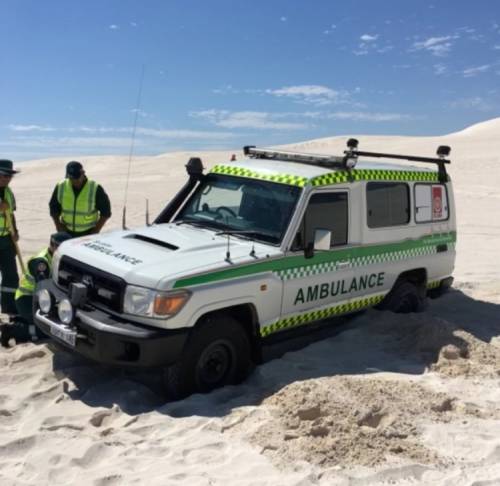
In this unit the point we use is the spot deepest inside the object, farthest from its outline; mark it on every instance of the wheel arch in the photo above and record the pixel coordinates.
(246, 315)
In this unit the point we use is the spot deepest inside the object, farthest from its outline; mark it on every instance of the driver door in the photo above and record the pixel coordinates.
(314, 288)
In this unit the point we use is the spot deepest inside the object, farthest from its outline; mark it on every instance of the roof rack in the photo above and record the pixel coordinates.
(348, 161)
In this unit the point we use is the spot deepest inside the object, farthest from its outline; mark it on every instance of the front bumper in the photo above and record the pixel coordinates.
(108, 339)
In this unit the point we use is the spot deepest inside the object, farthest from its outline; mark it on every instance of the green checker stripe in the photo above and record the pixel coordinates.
(373, 175)
(289, 265)
(433, 285)
(307, 317)
(335, 177)
(359, 261)
(288, 179)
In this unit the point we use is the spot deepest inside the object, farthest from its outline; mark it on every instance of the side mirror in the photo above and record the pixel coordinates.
(322, 241)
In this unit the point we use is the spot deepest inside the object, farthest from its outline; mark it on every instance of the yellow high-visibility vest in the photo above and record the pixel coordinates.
(8, 197)
(27, 283)
(78, 213)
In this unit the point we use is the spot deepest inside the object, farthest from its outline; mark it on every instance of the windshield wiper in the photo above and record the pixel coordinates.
(247, 234)
(194, 222)
(202, 223)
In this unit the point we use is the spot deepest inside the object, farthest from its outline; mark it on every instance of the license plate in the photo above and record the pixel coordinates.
(64, 333)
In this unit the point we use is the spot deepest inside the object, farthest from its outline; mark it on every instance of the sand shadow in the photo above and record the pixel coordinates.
(371, 342)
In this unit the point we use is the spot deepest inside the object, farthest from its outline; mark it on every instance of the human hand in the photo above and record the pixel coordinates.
(4, 206)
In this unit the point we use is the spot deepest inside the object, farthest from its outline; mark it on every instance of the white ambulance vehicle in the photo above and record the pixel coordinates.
(254, 253)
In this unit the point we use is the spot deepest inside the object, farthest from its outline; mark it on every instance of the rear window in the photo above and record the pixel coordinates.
(431, 203)
(388, 204)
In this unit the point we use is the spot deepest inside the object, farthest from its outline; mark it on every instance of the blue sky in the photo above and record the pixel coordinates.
(226, 73)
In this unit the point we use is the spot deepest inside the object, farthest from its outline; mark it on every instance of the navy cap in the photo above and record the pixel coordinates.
(59, 237)
(74, 169)
(6, 167)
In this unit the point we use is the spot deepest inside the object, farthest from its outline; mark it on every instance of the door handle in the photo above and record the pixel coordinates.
(343, 264)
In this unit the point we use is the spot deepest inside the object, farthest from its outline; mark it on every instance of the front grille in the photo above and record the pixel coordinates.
(102, 288)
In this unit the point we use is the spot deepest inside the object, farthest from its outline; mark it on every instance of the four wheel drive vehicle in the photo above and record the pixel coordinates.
(253, 253)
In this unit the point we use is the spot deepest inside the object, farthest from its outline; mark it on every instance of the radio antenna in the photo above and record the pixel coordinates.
(132, 144)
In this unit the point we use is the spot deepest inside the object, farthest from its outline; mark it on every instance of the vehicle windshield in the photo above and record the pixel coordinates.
(255, 208)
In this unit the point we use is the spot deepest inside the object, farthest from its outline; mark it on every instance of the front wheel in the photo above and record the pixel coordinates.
(216, 354)
(405, 297)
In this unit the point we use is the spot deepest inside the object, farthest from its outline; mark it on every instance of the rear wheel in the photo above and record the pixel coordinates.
(405, 297)
(216, 354)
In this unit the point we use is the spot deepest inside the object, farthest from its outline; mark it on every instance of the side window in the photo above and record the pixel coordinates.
(387, 204)
(324, 211)
(431, 203)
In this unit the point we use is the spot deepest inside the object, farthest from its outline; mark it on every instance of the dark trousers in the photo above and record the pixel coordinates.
(25, 310)
(10, 278)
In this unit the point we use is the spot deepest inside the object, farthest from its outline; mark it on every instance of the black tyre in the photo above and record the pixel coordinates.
(217, 353)
(405, 297)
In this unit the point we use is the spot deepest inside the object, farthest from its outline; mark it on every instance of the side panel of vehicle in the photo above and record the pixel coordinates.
(262, 290)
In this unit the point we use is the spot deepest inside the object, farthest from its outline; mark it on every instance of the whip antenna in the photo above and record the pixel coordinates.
(132, 144)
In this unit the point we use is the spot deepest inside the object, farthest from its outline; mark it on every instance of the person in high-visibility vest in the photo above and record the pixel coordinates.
(39, 267)
(79, 206)
(8, 236)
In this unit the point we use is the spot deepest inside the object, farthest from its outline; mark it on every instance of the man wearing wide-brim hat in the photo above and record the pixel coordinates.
(8, 235)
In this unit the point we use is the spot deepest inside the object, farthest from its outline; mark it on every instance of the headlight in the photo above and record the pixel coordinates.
(44, 300)
(146, 302)
(65, 311)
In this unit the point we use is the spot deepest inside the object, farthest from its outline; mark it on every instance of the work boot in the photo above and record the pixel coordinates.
(20, 332)
(17, 331)
(5, 336)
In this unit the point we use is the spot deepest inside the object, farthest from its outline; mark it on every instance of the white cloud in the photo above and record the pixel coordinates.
(384, 49)
(185, 134)
(311, 94)
(247, 119)
(355, 116)
(440, 69)
(70, 142)
(369, 38)
(367, 116)
(177, 134)
(474, 71)
(113, 27)
(30, 128)
(283, 19)
(437, 46)
(474, 103)
(496, 47)
(133, 24)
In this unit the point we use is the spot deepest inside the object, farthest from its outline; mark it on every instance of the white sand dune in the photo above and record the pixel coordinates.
(390, 400)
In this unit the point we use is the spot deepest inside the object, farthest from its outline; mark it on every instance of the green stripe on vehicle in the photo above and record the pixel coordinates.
(298, 266)
(291, 180)
(433, 285)
(374, 175)
(335, 177)
(317, 315)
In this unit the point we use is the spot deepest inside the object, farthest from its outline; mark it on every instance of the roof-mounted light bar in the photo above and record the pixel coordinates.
(348, 161)
(312, 159)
